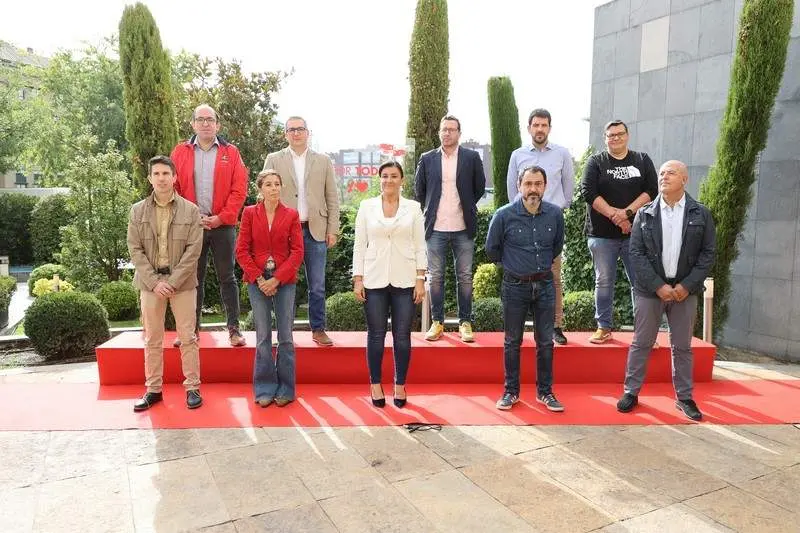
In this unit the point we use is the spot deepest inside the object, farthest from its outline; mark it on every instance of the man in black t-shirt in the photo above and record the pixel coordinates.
(615, 184)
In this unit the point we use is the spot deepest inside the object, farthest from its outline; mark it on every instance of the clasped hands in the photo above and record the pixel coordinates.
(358, 291)
(620, 218)
(268, 286)
(672, 294)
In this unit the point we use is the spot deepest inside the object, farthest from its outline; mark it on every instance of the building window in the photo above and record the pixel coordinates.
(21, 182)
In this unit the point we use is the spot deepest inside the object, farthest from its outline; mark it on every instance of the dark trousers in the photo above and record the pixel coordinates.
(221, 241)
(380, 303)
(519, 299)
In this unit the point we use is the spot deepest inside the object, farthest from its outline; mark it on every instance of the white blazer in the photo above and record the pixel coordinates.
(389, 251)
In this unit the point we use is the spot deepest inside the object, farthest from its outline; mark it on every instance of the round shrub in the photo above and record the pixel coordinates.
(488, 313)
(579, 311)
(49, 215)
(46, 271)
(46, 286)
(487, 281)
(345, 313)
(63, 324)
(120, 299)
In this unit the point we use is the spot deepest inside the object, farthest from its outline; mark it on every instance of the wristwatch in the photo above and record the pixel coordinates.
(629, 213)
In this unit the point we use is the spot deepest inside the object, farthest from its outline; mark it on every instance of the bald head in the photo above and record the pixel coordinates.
(672, 178)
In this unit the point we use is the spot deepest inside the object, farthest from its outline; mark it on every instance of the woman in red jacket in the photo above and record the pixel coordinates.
(270, 249)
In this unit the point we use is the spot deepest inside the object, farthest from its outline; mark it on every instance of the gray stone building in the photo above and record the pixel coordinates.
(663, 66)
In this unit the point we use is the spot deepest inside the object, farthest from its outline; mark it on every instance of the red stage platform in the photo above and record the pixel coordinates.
(120, 361)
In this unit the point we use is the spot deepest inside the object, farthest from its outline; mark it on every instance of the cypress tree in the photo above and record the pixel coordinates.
(150, 126)
(428, 77)
(756, 75)
(504, 121)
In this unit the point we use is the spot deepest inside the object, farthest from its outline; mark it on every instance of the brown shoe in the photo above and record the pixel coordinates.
(236, 337)
(320, 337)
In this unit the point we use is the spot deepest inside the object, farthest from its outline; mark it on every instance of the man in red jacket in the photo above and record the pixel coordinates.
(212, 175)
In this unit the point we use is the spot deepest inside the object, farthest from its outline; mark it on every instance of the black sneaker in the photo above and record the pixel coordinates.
(507, 401)
(689, 408)
(549, 401)
(193, 399)
(147, 401)
(627, 403)
(559, 336)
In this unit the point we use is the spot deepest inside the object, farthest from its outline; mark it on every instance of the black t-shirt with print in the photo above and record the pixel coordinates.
(619, 182)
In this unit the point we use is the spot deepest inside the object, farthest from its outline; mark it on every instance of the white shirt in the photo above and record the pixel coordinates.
(299, 162)
(671, 234)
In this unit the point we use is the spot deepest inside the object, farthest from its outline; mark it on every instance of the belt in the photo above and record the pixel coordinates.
(163, 271)
(539, 276)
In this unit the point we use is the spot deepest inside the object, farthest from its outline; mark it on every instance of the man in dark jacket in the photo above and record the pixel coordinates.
(672, 250)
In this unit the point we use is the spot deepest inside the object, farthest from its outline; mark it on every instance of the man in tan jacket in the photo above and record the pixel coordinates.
(164, 240)
(309, 185)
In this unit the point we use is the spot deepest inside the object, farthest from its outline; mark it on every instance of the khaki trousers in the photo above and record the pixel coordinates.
(559, 321)
(153, 310)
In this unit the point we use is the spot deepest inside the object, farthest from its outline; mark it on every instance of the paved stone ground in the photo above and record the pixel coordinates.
(611, 479)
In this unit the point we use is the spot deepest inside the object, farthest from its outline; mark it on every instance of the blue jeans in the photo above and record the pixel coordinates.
(520, 298)
(604, 256)
(221, 241)
(315, 255)
(377, 307)
(273, 377)
(463, 250)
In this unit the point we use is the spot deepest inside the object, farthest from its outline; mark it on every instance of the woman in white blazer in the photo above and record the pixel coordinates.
(389, 262)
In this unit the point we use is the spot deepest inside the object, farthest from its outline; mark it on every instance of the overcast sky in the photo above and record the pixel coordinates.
(350, 57)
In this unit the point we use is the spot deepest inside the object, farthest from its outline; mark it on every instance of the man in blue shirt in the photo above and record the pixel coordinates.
(524, 236)
(557, 162)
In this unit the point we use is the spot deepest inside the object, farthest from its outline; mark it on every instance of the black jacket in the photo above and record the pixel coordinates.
(470, 182)
(697, 247)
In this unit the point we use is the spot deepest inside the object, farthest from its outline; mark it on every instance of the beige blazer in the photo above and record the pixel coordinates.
(322, 195)
(389, 251)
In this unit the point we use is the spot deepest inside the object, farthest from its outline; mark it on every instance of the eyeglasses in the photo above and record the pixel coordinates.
(616, 135)
(296, 130)
(448, 130)
(205, 120)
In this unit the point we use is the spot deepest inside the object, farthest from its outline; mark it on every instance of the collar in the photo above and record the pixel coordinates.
(455, 153)
(547, 147)
(218, 141)
(159, 204)
(544, 207)
(664, 205)
(294, 155)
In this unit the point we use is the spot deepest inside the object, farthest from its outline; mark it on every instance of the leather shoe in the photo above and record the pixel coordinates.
(193, 399)
(147, 401)
(283, 401)
(378, 402)
(400, 402)
(320, 337)
(235, 337)
(559, 337)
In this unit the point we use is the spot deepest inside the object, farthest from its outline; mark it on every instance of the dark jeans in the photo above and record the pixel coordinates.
(273, 377)
(315, 254)
(221, 241)
(520, 298)
(377, 308)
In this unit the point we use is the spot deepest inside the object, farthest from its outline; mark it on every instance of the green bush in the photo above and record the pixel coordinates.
(49, 215)
(120, 299)
(345, 313)
(46, 271)
(63, 324)
(487, 281)
(45, 286)
(15, 235)
(579, 311)
(488, 314)
(246, 323)
(244, 297)
(7, 287)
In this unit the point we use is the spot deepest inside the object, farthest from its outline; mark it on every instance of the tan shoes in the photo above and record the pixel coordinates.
(600, 336)
(465, 329)
(435, 331)
(320, 337)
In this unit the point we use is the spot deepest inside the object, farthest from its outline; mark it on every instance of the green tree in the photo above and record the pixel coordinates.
(15, 218)
(13, 119)
(504, 120)
(245, 103)
(756, 74)
(80, 95)
(429, 80)
(150, 126)
(48, 217)
(93, 246)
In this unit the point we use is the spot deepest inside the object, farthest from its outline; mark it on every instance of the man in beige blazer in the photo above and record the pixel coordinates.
(309, 185)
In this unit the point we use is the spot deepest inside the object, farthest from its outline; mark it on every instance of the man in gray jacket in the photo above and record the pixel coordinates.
(672, 250)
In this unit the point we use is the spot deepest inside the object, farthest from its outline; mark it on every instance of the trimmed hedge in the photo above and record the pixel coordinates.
(487, 281)
(15, 235)
(579, 311)
(46, 271)
(120, 299)
(488, 313)
(7, 287)
(345, 313)
(47, 218)
(64, 324)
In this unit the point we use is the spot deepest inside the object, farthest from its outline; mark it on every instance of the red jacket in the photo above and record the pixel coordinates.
(283, 241)
(230, 179)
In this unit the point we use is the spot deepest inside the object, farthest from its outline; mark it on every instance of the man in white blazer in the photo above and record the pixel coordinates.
(309, 186)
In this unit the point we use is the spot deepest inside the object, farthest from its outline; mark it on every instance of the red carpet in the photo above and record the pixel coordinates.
(120, 361)
(64, 406)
